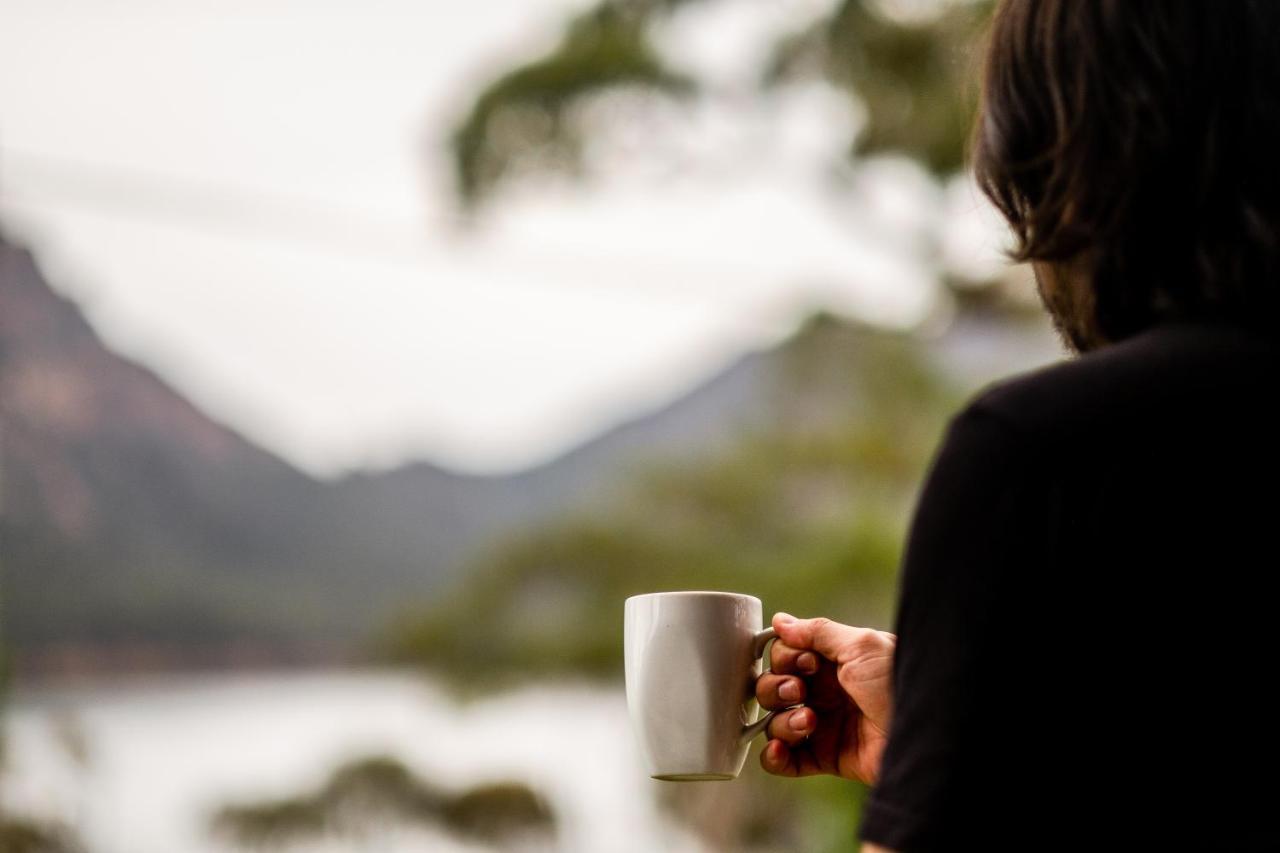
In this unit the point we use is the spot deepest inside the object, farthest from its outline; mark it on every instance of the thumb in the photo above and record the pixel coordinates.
(820, 634)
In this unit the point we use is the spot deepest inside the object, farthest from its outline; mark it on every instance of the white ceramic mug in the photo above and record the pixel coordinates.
(692, 659)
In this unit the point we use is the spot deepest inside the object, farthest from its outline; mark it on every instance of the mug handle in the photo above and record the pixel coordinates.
(758, 644)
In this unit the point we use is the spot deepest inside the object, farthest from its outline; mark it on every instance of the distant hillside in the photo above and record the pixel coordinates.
(129, 516)
(137, 531)
(804, 504)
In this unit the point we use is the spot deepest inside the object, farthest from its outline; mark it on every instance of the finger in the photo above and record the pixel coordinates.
(822, 635)
(790, 660)
(779, 691)
(776, 758)
(792, 727)
(782, 760)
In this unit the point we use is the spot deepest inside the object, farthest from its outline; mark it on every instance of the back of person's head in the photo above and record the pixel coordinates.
(1137, 143)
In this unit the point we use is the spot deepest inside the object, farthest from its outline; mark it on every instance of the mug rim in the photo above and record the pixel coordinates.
(694, 592)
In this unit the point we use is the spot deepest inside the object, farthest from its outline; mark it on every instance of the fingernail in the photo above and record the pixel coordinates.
(807, 662)
(789, 690)
(784, 618)
(799, 721)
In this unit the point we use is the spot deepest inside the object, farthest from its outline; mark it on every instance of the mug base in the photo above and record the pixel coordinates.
(693, 777)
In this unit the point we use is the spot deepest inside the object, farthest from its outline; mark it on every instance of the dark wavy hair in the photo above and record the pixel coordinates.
(1139, 142)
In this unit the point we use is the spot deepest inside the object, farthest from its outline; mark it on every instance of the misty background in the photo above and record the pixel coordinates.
(357, 361)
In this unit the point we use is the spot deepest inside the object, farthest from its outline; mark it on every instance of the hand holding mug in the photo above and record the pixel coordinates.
(843, 676)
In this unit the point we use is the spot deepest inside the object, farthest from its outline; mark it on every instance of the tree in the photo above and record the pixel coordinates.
(914, 78)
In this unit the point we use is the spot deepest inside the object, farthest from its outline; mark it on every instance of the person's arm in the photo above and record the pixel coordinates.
(902, 717)
(973, 516)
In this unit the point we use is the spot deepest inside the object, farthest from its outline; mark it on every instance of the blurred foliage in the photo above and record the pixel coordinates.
(379, 792)
(523, 115)
(18, 835)
(916, 78)
(808, 512)
(763, 813)
(913, 76)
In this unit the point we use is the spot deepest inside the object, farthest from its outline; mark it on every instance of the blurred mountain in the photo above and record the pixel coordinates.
(128, 515)
(802, 499)
(139, 532)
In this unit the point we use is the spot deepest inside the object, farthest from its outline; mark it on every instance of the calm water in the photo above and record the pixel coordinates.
(138, 766)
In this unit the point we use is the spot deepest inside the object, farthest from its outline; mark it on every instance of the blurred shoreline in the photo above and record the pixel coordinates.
(141, 764)
(87, 663)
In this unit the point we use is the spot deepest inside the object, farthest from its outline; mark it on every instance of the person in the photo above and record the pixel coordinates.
(1086, 640)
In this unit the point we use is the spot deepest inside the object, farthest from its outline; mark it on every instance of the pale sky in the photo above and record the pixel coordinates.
(253, 199)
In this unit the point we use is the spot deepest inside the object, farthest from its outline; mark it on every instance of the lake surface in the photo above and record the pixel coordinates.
(138, 766)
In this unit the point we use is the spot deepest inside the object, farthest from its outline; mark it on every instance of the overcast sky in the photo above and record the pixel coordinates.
(253, 199)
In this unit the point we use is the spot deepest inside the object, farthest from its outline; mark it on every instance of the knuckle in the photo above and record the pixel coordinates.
(782, 656)
(864, 641)
(867, 642)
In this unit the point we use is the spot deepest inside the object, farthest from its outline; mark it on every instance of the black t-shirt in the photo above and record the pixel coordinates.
(1088, 623)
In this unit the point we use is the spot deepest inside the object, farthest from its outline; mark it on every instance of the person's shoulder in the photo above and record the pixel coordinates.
(1168, 364)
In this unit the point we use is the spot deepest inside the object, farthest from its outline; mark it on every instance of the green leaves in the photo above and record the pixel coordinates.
(378, 791)
(522, 119)
(916, 80)
(807, 512)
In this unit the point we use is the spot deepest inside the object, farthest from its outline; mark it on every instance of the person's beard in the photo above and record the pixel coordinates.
(1070, 307)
